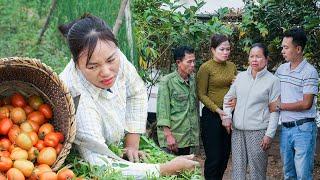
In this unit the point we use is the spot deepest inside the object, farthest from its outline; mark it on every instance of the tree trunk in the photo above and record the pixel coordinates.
(118, 22)
(129, 30)
(45, 27)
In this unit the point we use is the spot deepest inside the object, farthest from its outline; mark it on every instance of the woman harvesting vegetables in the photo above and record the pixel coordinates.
(113, 99)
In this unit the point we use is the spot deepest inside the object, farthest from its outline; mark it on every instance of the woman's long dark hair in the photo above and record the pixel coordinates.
(84, 33)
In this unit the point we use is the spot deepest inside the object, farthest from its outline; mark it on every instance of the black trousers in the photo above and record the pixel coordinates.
(217, 145)
(181, 151)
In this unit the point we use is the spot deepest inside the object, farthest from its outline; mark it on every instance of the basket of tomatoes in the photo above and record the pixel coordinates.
(37, 125)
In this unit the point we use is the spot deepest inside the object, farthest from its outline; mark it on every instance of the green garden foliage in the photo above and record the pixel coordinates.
(159, 28)
(266, 20)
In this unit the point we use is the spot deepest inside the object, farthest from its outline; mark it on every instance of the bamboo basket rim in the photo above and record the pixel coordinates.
(36, 64)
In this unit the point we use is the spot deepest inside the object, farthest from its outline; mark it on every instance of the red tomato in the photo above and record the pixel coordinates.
(18, 115)
(5, 163)
(12, 147)
(35, 126)
(48, 176)
(18, 153)
(13, 133)
(45, 109)
(28, 109)
(38, 170)
(5, 153)
(15, 173)
(47, 155)
(17, 100)
(4, 112)
(44, 130)
(59, 148)
(44, 167)
(40, 145)
(34, 137)
(5, 144)
(26, 127)
(37, 117)
(33, 153)
(65, 174)
(24, 141)
(35, 101)
(51, 139)
(61, 137)
(5, 125)
(2, 177)
(25, 166)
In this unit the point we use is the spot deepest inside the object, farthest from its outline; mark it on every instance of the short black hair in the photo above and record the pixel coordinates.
(298, 35)
(180, 52)
(263, 47)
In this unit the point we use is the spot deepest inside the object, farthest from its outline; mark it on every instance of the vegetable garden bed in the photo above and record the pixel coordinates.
(156, 155)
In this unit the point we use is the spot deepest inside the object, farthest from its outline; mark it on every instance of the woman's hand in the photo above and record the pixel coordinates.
(275, 106)
(265, 143)
(134, 155)
(227, 123)
(131, 150)
(178, 164)
(232, 103)
(221, 113)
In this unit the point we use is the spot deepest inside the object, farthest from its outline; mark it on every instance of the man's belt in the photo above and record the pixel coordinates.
(297, 123)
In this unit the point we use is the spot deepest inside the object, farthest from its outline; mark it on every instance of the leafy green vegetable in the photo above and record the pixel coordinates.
(156, 156)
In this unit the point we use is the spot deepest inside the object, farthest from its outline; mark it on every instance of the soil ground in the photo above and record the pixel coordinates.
(274, 171)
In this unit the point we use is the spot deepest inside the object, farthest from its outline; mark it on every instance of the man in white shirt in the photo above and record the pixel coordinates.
(299, 89)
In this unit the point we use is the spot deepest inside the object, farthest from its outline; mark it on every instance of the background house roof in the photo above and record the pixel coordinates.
(212, 5)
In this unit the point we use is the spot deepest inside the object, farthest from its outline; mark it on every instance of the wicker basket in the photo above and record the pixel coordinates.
(30, 76)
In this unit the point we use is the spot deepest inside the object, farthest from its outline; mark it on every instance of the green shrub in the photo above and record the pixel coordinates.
(159, 30)
(266, 20)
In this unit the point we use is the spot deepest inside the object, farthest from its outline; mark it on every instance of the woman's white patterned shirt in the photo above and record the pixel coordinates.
(104, 116)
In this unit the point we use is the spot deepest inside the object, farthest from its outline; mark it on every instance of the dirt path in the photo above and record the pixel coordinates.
(274, 171)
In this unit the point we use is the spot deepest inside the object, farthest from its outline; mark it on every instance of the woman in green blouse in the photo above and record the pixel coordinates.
(213, 81)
